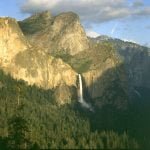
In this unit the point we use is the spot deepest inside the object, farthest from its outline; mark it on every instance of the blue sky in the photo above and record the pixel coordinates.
(124, 19)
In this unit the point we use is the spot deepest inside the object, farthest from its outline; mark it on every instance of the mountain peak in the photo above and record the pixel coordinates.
(36, 22)
(69, 16)
(45, 14)
(63, 32)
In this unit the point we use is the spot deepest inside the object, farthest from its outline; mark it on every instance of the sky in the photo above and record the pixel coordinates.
(128, 20)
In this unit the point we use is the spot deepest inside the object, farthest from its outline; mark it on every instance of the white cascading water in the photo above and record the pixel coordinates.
(81, 99)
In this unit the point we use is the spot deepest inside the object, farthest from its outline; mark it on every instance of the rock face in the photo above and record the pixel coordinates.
(136, 59)
(59, 33)
(104, 78)
(12, 41)
(31, 58)
(63, 94)
(31, 64)
(107, 84)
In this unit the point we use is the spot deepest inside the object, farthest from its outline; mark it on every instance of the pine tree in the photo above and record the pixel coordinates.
(18, 131)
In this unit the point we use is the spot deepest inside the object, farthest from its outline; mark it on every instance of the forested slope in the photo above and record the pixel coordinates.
(50, 126)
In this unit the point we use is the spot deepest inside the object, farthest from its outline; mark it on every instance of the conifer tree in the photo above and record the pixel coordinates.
(18, 131)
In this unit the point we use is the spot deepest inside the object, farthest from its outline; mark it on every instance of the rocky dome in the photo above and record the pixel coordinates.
(58, 33)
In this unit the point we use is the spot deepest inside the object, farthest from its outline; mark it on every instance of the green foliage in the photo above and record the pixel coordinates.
(50, 126)
(84, 66)
(3, 143)
(79, 64)
(34, 24)
(18, 131)
(62, 54)
(91, 60)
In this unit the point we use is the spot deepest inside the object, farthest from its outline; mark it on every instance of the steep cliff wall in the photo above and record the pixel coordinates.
(29, 58)
(135, 57)
(104, 77)
(59, 33)
(12, 40)
(31, 64)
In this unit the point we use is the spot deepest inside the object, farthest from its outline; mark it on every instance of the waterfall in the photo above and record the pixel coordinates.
(80, 90)
(81, 99)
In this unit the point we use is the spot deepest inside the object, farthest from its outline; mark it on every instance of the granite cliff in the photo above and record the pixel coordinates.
(49, 51)
(56, 33)
(25, 61)
(136, 59)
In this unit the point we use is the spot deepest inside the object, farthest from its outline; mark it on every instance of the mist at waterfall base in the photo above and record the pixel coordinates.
(81, 99)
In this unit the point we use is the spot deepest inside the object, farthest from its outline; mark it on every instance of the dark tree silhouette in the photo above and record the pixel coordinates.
(18, 131)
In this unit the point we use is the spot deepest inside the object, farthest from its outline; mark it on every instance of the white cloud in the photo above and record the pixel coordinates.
(91, 33)
(90, 11)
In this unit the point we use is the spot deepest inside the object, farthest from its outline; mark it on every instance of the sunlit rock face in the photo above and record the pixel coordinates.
(59, 33)
(29, 63)
(29, 55)
(12, 40)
